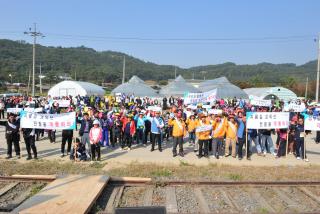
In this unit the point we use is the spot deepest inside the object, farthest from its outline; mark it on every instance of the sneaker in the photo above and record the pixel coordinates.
(181, 154)
(29, 158)
(249, 158)
(8, 157)
(239, 158)
(129, 148)
(290, 153)
(298, 158)
(174, 155)
(306, 160)
(62, 155)
(18, 156)
(264, 154)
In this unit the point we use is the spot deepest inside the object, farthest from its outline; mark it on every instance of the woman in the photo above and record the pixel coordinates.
(95, 136)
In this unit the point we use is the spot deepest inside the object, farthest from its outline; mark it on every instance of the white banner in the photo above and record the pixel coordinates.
(47, 121)
(154, 108)
(63, 103)
(215, 111)
(295, 107)
(265, 103)
(267, 120)
(203, 128)
(194, 98)
(18, 110)
(311, 123)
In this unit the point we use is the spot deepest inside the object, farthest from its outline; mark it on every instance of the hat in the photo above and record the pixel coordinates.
(130, 115)
(201, 115)
(117, 114)
(231, 116)
(96, 122)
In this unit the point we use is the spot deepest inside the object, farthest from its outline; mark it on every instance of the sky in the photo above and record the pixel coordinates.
(177, 32)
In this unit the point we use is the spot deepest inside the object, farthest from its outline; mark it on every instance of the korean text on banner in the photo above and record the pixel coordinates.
(264, 103)
(63, 103)
(311, 123)
(267, 120)
(295, 107)
(47, 121)
(194, 98)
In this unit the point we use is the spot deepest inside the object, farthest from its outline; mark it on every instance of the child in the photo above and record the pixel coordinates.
(78, 152)
(95, 136)
(282, 143)
(129, 129)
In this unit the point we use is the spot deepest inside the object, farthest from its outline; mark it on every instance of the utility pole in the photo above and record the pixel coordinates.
(306, 92)
(40, 77)
(34, 34)
(175, 72)
(318, 70)
(124, 69)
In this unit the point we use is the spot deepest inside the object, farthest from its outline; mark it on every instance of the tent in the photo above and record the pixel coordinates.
(75, 88)
(137, 87)
(178, 88)
(271, 93)
(225, 89)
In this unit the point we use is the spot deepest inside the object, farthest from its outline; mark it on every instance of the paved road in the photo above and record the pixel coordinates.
(139, 153)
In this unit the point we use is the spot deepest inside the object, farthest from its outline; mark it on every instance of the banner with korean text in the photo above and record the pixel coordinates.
(267, 120)
(264, 103)
(63, 103)
(311, 123)
(47, 121)
(195, 98)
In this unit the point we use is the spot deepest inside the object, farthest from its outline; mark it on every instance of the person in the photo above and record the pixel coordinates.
(12, 136)
(231, 136)
(30, 141)
(95, 136)
(156, 125)
(67, 135)
(86, 125)
(203, 130)
(129, 129)
(218, 132)
(116, 130)
(140, 127)
(266, 138)
(241, 134)
(78, 152)
(178, 132)
(299, 139)
(282, 142)
(2, 107)
(191, 124)
(105, 130)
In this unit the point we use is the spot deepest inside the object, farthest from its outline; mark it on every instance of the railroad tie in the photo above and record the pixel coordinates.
(285, 198)
(147, 200)
(6, 188)
(204, 207)
(171, 200)
(112, 200)
(310, 194)
(228, 199)
(257, 195)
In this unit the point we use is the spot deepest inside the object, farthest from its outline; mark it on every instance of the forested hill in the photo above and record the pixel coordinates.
(106, 66)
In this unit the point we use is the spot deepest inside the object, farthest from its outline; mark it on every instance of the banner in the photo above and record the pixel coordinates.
(195, 98)
(311, 123)
(154, 108)
(215, 111)
(265, 103)
(18, 110)
(203, 128)
(63, 103)
(47, 121)
(295, 107)
(267, 120)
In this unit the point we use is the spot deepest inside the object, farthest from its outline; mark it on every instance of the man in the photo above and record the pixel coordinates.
(2, 106)
(231, 136)
(67, 135)
(300, 142)
(218, 132)
(241, 134)
(203, 130)
(266, 137)
(30, 139)
(140, 127)
(12, 136)
(178, 132)
(156, 125)
(116, 130)
(86, 125)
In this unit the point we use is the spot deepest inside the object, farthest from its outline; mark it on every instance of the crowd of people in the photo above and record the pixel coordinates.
(124, 121)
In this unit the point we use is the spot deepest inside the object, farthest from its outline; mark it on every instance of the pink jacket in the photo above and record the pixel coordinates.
(95, 135)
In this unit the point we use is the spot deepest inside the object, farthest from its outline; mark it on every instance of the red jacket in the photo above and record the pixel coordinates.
(132, 127)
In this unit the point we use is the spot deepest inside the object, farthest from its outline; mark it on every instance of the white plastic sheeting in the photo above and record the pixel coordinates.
(271, 93)
(178, 88)
(75, 88)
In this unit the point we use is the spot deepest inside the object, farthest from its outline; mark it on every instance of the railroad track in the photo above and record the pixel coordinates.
(211, 197)
(14, 190)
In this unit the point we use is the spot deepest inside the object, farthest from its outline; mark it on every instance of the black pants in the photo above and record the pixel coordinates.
(146, 133)
(2, 114)
(241, 141)
(318, 137)
(203, 144)
(52, 135)
(38, 132)
(95, 148)
(156, 137)
(65, 139)
(140, 136)
(177, 141)
(127, 141)
(31, 145)
(282, 148)
(15, 142)
(116, 134)
(300, 145)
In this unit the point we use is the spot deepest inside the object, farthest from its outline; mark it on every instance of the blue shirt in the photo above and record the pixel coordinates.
(241, 127)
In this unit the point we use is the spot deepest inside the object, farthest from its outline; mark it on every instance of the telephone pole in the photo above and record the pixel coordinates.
(318, 70)
(40, 79)
(34, 34)
(124, 69)
(175, 72)
(306, 92)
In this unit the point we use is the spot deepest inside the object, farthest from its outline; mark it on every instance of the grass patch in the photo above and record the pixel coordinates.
(235, 177)
(161, 173)
(35, 189)
(263, 210)
(184, 163)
